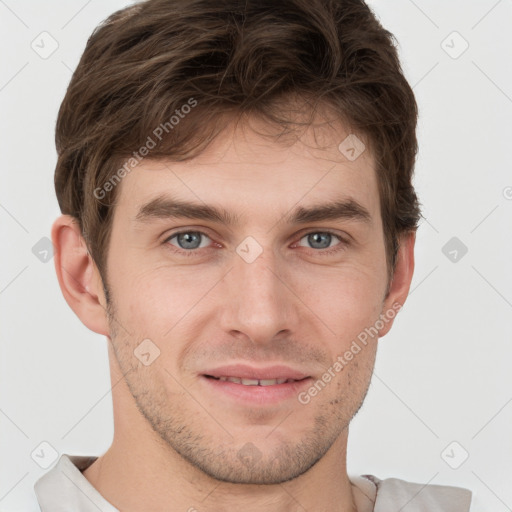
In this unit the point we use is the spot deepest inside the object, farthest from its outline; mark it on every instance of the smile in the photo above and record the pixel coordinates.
(253, 382)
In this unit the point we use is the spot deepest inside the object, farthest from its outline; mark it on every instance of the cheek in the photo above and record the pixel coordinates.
(346, 299)
(159, 302)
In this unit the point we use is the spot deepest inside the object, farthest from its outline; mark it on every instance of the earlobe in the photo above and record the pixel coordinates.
(78, 275)
(401, 282)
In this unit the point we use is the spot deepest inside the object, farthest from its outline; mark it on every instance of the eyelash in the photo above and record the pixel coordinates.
(323, 252)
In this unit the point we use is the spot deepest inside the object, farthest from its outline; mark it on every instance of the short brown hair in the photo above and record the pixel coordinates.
(146, 62)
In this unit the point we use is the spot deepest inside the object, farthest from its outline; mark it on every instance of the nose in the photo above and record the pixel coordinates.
(258, 301)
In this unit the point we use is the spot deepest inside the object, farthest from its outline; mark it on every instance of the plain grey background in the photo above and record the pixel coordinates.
(439, 407)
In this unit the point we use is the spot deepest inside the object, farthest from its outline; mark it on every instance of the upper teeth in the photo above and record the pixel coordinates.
(256, 382)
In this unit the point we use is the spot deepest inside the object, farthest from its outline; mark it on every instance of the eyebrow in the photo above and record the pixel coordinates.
(165, 207)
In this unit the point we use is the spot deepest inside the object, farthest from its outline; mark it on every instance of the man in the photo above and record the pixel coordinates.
(239, 222)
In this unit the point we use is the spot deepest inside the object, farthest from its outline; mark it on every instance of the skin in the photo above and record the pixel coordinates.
(177, 442)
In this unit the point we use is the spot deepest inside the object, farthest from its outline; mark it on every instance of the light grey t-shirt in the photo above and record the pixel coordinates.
(64, 488)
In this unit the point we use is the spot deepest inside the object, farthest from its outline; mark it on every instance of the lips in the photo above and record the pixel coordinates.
(253, 382)
(251, 376)
(246, 386)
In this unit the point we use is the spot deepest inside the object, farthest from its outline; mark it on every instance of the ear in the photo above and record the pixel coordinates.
(78, 276)
(400, 283)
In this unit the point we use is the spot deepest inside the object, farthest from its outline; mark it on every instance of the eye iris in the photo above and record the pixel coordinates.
(316, 238)
(189, 240)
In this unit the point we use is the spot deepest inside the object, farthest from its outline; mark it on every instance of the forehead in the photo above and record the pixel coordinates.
(246, 171)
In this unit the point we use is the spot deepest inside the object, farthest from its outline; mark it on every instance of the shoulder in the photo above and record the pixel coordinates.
(373, 494)
(64, 487)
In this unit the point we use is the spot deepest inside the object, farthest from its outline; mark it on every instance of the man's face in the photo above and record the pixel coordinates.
(276, 297)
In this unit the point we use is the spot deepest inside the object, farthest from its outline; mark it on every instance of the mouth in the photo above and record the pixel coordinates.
(247, 385)
(254, 382)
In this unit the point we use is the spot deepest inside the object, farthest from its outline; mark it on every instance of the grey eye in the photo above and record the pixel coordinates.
(188, 239)
(319, 240)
